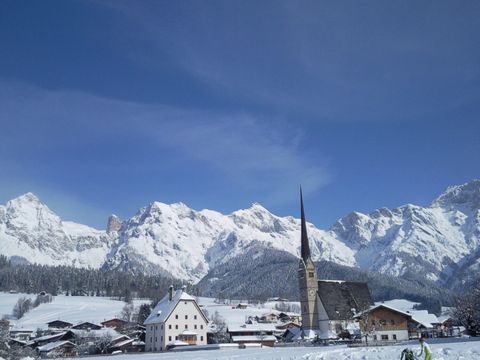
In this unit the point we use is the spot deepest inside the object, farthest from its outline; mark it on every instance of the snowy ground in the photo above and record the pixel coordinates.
(237, 317)
(450, 351)
(73, 309)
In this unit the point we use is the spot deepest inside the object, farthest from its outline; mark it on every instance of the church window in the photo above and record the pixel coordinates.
(201, 338)
(195, 327)
(176, 326)
(195, 317)
(311, 274)
(169, 338)
(186, 317)
(186, 326)
(176, 316)
(170, 326)
(201, 326)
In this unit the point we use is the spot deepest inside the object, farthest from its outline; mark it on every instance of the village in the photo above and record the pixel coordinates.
(330, 312)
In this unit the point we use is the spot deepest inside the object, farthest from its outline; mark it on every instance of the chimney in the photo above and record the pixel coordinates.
(170, 293)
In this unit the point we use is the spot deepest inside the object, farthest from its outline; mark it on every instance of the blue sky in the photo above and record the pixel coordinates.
(106, 106)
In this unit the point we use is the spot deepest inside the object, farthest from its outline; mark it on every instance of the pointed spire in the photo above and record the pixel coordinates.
(305, 247)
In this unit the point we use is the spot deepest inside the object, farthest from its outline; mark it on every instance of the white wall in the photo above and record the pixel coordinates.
(401, 335)
(159, 335)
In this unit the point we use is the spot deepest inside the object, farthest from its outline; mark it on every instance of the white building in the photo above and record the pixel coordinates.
(176, 320)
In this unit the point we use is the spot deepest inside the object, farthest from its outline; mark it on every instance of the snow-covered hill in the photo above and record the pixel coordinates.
(434, 241)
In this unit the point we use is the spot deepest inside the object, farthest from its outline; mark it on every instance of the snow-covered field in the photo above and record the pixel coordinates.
(451, 351)
(73, 309)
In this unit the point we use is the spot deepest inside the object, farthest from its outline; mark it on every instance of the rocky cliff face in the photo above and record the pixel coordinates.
(436, 242)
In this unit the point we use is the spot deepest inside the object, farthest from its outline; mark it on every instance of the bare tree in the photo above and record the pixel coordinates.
(22, 306)
(127, 312)
(467, 310)
(220, 328)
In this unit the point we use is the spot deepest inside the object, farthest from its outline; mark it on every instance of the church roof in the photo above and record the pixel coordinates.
(305, 247)
(342, 299)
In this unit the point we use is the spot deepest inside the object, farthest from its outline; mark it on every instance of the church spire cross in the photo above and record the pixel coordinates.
(305, 247)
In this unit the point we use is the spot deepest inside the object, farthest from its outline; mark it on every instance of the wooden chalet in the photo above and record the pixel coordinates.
(58, 349)
(115, 323)
(59, 324)
(86, 326)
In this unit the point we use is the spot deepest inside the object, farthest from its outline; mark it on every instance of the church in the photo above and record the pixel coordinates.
(327, 306)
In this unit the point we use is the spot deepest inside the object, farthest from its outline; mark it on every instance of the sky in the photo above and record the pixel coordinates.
(106, 106)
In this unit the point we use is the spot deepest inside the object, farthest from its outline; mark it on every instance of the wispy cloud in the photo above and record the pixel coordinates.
(245, 149)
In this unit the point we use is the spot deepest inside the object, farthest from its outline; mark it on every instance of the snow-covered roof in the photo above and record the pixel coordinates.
(424, 318)
(164, 308)
(123, 343)
(371, 308)
(188, 332)
(241, 338)
(252, 327)
(54, 345)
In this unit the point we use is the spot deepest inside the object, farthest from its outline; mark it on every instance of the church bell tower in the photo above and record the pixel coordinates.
(307, 280)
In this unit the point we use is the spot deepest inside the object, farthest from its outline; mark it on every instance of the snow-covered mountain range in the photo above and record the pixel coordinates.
(438, 241)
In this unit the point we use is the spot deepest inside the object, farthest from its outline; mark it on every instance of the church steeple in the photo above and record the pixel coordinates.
(305, 247)
(307, 279)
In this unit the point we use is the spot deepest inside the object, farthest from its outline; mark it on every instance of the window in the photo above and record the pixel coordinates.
(155, 339)
(150, 339)
(186, 317)
(170, 326)
(375, 337)
(176, 316)
(195, 326)
(176, 337)
(392, 322)
(186, 326)
(156, 327)
(394, 336)
(161, 327)
(161, 338)
(384, 337)
(383, 322)
(169, 338)
(176, 326)
(201, 326)
(195, 317)
(311, 274)
(201, 338)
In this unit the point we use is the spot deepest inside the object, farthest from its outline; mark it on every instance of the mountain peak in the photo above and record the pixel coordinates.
(28, 197)
(464, 196)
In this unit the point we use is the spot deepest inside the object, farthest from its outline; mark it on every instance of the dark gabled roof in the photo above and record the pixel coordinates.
(339, 298)
(59, 322)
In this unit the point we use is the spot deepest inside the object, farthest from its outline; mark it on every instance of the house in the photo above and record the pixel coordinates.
(127, 345)
(21, 334)
(269, 318)
(262, 333)
(327, 306)
(42, 340)
(58, 349)
(177, 316)
(422, 324)
(115, 323)
(59, 324)
(287, 325)
(86, 326)
(382, 323)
